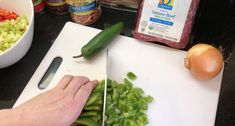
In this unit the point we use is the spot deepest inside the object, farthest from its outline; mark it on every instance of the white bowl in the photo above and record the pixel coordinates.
(20, 48)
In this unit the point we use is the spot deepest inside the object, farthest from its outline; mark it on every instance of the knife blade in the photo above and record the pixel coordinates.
(105, 89)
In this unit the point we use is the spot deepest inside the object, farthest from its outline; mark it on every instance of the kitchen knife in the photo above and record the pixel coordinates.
(105, 90)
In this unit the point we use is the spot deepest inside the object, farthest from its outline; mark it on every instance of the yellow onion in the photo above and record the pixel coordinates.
(204, 61)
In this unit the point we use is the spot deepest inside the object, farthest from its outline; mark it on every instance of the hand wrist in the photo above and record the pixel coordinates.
(21, 119)
(9, 117)
(12, 117)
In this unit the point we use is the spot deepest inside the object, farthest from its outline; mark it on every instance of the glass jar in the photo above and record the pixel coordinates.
(57, 7)
(39, 5)
(84, 12)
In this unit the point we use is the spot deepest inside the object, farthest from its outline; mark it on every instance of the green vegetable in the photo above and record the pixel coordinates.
(131, 76)
(93, 107)
(125, 105)
(86, 122)
(100, 41)
(97, 95)
(11, 31)
(88, 113)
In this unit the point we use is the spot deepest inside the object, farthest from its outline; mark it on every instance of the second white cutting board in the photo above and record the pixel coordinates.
(179, 99)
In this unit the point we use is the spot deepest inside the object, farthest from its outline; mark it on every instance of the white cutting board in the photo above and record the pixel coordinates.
(179, 99)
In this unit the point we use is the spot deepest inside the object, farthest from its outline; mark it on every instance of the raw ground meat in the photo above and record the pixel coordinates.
(185, 34)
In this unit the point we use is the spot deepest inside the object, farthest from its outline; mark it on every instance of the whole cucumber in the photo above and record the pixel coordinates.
(100, 41)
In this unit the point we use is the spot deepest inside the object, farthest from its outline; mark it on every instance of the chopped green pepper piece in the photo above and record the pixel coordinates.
(86, 122)
(131, 76)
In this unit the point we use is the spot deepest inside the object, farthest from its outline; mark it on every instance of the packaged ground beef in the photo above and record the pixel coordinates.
(166, 21)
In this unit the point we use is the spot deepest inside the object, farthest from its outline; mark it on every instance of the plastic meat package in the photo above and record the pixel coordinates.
(166, 21)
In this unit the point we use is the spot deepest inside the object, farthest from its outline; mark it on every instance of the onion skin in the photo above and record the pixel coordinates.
(204, 61)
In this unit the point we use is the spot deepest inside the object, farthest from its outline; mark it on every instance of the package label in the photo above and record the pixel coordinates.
(164, 18)
(82, 7)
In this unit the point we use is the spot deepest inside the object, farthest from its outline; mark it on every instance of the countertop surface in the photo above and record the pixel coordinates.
(214, 24)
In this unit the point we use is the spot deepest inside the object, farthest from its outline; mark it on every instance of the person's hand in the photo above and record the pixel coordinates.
(60, 106)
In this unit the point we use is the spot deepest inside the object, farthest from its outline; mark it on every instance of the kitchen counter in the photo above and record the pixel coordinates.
(217, 29)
